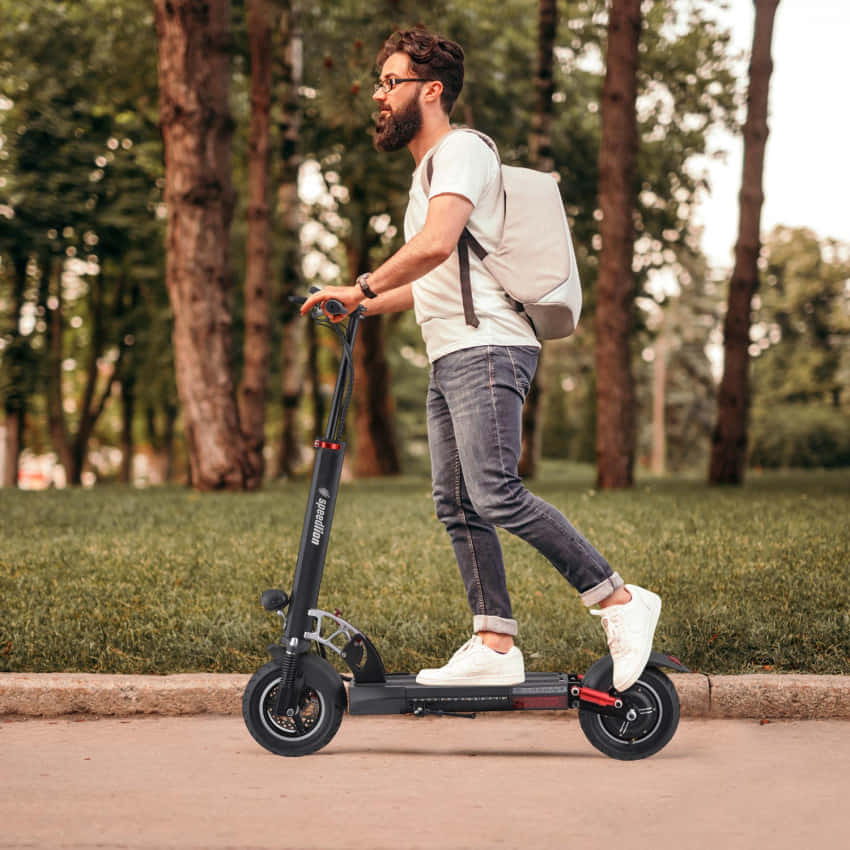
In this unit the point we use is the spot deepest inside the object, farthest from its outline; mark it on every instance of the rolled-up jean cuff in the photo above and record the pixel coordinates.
(602, 590)
(487, 623)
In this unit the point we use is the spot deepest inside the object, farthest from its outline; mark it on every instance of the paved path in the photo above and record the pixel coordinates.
(201, 782)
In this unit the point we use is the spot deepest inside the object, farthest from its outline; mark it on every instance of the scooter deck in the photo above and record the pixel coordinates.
(400, 694)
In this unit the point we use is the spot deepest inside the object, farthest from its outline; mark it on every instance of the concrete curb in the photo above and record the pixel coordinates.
(767, 696)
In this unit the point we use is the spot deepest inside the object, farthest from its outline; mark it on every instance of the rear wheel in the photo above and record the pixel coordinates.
(652, 720)
(321, 703)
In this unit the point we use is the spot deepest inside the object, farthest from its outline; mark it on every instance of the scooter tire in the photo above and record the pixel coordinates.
(321, 705)
(658, 706)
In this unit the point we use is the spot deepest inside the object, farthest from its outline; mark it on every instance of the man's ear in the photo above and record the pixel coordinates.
(432, 91)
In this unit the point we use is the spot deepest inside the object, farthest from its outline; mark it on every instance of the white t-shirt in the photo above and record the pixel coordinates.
(463, 165)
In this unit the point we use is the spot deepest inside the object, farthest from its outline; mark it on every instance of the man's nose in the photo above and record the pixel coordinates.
(379, 94)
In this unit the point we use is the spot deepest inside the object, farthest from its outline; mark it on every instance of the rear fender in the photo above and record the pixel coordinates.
(656, 659)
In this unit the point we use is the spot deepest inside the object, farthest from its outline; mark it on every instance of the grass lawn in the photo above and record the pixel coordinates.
(165, 580)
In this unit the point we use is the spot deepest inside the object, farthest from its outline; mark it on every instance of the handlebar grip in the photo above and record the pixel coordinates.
(332, 307)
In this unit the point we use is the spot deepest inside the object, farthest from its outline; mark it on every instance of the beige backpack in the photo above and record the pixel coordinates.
(534, 262)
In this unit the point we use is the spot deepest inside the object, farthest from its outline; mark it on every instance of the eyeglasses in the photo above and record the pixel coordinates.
(387, 85)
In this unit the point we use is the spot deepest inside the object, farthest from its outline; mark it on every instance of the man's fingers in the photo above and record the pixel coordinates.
(323, 296)
(311, 302)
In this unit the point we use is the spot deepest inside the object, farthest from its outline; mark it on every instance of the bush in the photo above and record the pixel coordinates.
(803, 436)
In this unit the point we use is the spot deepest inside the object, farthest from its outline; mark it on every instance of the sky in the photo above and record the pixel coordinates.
(807, 160)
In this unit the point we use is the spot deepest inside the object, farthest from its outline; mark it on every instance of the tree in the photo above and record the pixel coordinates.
(67, 116)
(675, 379)
(194, 75)
(729, 439)
(256, 344)
(377, 450)
(540, 157)
(801, 334)
(79, 181)
(615, 436)
(17, 375)
(340, 67)
(291, 74)
(684, 87)
(800, 350)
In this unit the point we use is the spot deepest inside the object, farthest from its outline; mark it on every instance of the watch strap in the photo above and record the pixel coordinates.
(363, 283)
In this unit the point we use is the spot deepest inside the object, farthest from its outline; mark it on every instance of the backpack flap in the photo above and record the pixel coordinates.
(556, 314)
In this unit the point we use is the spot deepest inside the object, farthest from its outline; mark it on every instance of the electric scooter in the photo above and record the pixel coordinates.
(294, 704)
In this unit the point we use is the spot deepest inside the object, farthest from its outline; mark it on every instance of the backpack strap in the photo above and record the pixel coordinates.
(465, 282)
(467, 241)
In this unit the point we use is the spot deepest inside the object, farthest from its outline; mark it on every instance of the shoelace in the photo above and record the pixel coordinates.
(463, 650)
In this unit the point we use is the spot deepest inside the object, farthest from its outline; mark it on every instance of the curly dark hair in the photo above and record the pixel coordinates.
(431, 57)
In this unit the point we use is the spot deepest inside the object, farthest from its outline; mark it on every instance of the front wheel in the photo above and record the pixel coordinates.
(317, 718)
(654, 717)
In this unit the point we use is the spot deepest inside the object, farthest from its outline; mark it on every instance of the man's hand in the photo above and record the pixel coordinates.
(350, 296)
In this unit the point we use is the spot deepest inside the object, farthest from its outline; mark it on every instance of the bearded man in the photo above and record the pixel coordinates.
(480, 374)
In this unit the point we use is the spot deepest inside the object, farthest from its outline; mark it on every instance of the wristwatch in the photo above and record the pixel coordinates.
(363, 283)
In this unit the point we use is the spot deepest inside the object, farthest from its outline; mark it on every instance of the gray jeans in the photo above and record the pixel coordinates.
(475, 400)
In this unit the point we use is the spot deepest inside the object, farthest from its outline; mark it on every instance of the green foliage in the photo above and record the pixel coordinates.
(800, 342)
(801, 328)
(799, 435)
(162, 580)
(569, 381)
(686, 87)
(81, 185)
(77, 78)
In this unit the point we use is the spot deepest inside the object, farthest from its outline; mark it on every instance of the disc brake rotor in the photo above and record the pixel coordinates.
(300, 724)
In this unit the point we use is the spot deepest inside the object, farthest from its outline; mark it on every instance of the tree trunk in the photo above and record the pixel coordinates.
(292, 380)
(540, 140)
(194, 79)
(319, 406)
(72, 445)
(162, 443)
(377, 451)
(17, 373)
(128, 408)
(90, 410)
(659, 405)
(12, 442)
(255, 373)
(292, 323)
(540, 156)
(616, 432)
(729, 439)
(56, 424)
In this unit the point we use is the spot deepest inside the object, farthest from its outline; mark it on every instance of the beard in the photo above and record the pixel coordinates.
(395, 130)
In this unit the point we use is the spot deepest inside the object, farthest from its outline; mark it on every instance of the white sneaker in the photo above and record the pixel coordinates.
(630, 629)
(476, 664)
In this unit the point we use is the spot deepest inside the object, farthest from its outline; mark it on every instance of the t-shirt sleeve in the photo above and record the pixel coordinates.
(463, 165)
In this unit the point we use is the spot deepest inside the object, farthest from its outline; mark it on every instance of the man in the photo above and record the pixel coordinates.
(479, 375)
